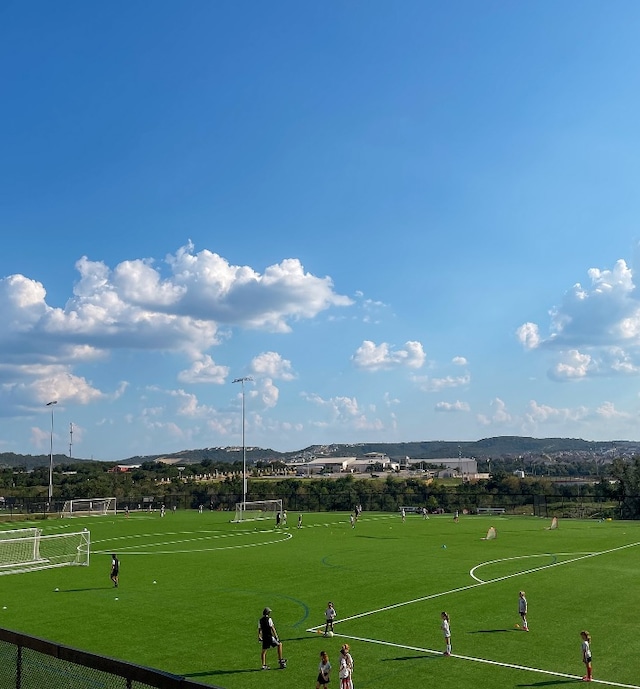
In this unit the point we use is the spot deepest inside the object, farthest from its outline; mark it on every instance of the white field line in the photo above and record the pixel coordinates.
(472, 659)
(535, 569)
(135, 549)
(483, 583)
(471, 586)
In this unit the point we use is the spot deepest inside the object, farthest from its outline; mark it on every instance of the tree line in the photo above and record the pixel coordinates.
(155, 483)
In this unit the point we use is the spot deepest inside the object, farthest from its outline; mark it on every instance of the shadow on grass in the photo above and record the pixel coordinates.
(212, 673)
(493, 631)
(420, 657)
(94, 588)
(379, 538)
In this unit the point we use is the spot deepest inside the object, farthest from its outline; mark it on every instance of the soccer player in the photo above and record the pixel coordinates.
(268, 637)
(404, 515)
(352, 521)
(522, 609)
(349, 659)
(586, 655)
(299, 521)
(324, 670)
(278, 519)
(115, 570)
(330, 615)
(446, 630)
(344, 672)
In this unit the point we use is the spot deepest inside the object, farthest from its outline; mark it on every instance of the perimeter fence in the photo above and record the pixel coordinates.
(373, 498)
(27, 662)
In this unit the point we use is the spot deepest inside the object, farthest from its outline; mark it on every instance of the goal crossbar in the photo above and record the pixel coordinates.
(34, 552)
(89, 507)
(257, 509)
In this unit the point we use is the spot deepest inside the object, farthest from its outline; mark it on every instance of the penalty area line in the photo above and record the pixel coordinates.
(510, 666)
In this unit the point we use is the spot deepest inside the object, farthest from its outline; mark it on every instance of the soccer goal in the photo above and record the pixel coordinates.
(89, 507)
(258, 509)
(24, 550)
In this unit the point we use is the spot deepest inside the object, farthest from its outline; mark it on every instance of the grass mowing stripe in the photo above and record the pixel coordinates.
(192, 550)
(484, 583)
(511, 666)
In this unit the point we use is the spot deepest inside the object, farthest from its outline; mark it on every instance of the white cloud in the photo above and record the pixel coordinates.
(389, 400)
(40, 438)
(452, 406)
(543, 413)
(572, 366)
(595, 330)
(529, 335)
(343, 411)
(499, 414)
(459, 361)
(269, 393)
(607, 410)
(31, 386)
(216, 291)
(430, 384)
(383, 356)
(204, 370)
(273, 365)
(177, 306)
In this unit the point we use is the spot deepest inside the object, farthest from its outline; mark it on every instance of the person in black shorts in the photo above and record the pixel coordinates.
(115, 570)
(268, 637)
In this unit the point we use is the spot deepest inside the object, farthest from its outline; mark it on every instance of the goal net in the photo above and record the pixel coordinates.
(258, 509)
(89, 507)
(24, 550)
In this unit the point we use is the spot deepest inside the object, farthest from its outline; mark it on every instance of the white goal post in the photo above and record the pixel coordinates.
(257, 509)
(25, 550)
(89, 507)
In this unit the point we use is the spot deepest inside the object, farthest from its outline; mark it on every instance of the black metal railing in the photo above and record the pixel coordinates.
(27, 662)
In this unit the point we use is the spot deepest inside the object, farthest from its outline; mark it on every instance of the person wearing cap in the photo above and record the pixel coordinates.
(268, 637)
(329, 616)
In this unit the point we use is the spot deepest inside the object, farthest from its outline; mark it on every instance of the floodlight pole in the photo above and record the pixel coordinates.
(52, 405)
(242, 381)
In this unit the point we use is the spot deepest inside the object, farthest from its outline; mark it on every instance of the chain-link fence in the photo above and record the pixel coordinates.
(27, 662)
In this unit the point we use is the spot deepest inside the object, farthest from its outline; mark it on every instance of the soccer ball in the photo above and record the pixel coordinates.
(329, 634)
(444, 546)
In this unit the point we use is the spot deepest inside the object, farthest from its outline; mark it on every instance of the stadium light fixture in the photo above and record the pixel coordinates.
(242, 381)
(52, 405)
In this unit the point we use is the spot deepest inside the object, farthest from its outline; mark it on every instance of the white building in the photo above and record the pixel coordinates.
(464, 467)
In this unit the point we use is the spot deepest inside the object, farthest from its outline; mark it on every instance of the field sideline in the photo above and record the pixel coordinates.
(194, 585)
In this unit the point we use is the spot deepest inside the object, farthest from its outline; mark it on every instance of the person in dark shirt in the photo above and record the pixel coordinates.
(268, 637)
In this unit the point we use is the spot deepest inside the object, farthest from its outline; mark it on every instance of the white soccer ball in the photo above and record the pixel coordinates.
(155, 582)
(329, 634)
(56, 590)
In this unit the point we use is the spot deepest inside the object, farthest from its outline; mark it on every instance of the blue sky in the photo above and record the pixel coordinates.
(405, 221)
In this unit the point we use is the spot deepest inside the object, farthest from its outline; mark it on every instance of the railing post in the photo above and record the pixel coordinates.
(19, 668)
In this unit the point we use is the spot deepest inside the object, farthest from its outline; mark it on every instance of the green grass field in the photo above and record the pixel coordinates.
(194, 585)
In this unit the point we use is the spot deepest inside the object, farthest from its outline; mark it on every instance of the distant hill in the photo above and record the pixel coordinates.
(29, 462)
(494, 448)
